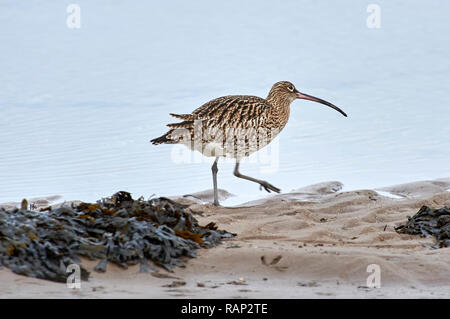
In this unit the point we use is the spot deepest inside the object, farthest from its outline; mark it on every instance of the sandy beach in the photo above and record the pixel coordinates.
(87, 86)
(313, 242)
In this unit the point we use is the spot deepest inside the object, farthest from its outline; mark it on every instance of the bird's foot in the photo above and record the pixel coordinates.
(268, 187)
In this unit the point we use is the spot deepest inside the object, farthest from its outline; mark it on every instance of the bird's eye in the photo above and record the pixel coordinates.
(291, 88)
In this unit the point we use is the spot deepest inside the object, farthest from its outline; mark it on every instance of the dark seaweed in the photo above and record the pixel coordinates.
(117, 229)
(429, 222)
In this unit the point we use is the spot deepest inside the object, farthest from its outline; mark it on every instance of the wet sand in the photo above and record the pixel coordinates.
(313, 242)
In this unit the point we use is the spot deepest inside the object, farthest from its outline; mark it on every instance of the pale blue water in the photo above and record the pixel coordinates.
(78, 106)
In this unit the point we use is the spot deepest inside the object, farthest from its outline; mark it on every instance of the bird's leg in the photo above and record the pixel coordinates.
(268, 187)
(214, 170)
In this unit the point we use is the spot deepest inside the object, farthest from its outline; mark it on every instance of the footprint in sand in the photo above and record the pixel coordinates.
(273, 263)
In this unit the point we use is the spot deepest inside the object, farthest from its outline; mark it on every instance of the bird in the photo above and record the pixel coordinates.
(235, 126)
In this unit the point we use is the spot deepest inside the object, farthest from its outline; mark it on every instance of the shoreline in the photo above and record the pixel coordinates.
(313, 242)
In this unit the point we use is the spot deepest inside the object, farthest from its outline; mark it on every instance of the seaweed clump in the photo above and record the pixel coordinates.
(117, 229)
(429, 222)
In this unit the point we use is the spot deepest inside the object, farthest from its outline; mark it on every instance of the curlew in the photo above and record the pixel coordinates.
(236, 126)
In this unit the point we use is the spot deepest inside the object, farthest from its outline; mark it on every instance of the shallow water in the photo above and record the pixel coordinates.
(78, 106)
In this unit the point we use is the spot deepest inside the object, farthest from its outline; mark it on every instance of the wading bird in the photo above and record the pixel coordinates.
(236, 126)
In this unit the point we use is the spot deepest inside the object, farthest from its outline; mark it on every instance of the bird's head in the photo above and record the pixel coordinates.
(285, 91)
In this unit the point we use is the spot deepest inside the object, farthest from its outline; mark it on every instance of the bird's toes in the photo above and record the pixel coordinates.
(276, 189)
(269, 187)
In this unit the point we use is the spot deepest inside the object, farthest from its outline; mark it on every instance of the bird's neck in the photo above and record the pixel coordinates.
(279, 110)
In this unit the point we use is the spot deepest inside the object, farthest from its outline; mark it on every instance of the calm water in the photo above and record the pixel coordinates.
(78, 106)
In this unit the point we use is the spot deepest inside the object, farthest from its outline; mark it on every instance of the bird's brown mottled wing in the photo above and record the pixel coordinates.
(233, 111)
(218, 115)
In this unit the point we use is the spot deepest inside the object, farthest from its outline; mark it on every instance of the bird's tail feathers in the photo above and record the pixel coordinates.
(182, 116)
(164, 139)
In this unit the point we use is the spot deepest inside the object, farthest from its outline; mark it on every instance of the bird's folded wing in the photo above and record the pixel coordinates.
(233, 111)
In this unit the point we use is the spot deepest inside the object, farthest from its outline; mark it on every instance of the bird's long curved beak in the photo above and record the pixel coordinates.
(316, 99)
